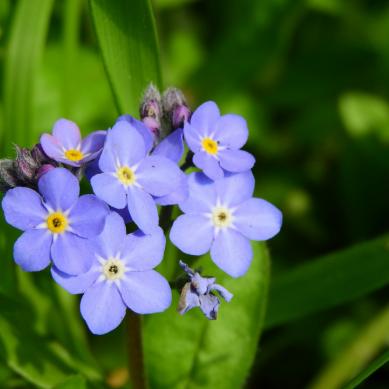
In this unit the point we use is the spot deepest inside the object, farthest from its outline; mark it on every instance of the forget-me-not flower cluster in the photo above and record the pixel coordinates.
(135, 168)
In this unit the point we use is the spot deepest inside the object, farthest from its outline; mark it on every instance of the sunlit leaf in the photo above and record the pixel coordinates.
(191, 352)
(128, 43)
(329, 281)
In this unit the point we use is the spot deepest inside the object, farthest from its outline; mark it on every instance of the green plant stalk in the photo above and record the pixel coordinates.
(135, 351)
(357, 355)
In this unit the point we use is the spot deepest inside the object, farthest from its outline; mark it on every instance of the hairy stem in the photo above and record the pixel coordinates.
(135, 351)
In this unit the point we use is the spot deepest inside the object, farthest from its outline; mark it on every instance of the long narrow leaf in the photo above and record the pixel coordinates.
(329, 281)
(127, 38)
(27, 40)
(366, 373)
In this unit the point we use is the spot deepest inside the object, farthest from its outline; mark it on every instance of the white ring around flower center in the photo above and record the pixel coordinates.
(221, 217)
(113, 269)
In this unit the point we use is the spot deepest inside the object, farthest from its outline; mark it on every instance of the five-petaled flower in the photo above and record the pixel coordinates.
(222, 216)
(57, 223)
(66, 145)
(200, 292)
(216, 141)
(130, 177)
(121, 276)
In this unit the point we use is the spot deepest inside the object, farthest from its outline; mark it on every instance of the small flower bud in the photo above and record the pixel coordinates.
(175, 107)
(26, 166)
(8, 178)
(150, 111)
(43, 170)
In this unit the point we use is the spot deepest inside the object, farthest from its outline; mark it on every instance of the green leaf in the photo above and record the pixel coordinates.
(369, 370)
(128, 43)
(329, 281)
(191, 352)
(26, 44)
(72, 382)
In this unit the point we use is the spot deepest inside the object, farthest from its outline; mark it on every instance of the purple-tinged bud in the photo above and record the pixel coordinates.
(153, 125)
(200, 292)
(26, 166)
(175, 108)
(8, 177)
(39, 155)
(151, 112)
(43, 170)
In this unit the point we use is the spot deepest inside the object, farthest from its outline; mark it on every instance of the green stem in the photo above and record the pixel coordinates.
(357, 355)
(135, 351)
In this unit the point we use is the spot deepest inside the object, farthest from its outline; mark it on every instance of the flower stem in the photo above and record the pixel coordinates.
(135, 351)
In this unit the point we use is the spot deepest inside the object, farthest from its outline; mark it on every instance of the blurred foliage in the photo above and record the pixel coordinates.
(312, 79)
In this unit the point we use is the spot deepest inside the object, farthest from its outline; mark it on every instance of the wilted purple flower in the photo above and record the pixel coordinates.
(222, 216)
(56, 223)
(67, 146)
(121, 276)
(216, 141)
(198, 292)
(130, 177)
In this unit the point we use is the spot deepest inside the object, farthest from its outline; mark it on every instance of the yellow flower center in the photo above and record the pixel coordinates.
(221, 217)
(210, 146)
(57, 222)
(113, 269)
(126, 175)
(74, 155)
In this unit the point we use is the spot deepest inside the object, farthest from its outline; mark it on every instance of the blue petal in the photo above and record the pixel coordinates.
(67, 133)
(159, 176)
(52, 147)
(124, 146)
(235, 188)
(108, 188)
(232, 252)
(192, 137)
(93, 144)
(59, 188)
(142, 209)
(23, 208)
(231, 131)
(87, 217)
(188, 299)
(112, 238)
(144, 252)
(209, 165)
(141, 128)
(71, 254)
(177, 196)
(172, 146)
(32, 250)
(145, 292)
(192, 234)
(257, 219)
(74, 284)
(209, 304)
(102, 308)
(236, 160)
(205, 117)
(202, 194)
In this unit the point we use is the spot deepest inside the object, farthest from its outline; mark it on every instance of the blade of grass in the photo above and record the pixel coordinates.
(329, 281)
(366, 373)
(28, 34)
(128, 43)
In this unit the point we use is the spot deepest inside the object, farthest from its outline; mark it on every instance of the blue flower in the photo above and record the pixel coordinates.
(130, 177)
(66, 145)
(121, 276)
(216, 141)
(57, 223)
(222, 216)
(199, 292)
